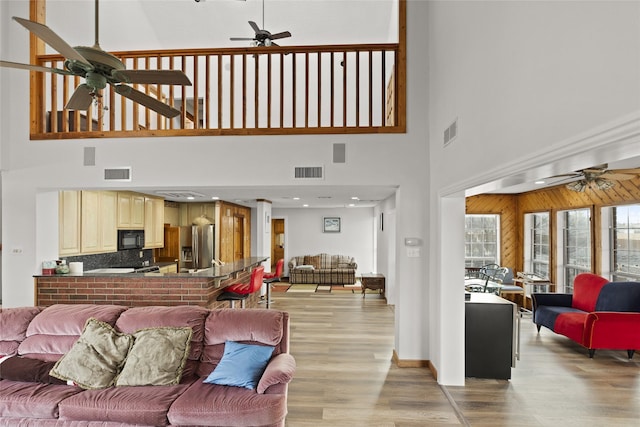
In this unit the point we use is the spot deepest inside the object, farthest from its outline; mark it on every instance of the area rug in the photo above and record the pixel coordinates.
(324, 289)
(302, 288)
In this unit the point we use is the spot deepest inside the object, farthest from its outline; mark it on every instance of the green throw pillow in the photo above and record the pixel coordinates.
(157, 357)
(95, 359)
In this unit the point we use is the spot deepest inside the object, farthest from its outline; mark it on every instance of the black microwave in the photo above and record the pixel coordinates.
(130, 239)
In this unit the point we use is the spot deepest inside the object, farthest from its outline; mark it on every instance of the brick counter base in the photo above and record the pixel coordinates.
(137, 291)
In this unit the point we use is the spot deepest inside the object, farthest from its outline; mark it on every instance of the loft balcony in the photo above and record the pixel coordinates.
(338, 89)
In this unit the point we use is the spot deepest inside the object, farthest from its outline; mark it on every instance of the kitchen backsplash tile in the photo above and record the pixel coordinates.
(113, 259)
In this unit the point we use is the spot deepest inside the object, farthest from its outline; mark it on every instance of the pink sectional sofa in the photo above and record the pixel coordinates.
(40, 338)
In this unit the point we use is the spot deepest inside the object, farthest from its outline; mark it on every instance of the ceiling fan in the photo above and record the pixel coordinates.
(599, 177)
(100, 68)
(263, 37)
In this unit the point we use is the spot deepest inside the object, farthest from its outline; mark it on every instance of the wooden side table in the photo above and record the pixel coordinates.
(372, 281)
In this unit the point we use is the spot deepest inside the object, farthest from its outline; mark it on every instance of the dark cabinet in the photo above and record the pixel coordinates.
(490, 336)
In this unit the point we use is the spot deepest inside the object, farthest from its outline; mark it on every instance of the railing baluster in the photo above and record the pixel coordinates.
(225, 93)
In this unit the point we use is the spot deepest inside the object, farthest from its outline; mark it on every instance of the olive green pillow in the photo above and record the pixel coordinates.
(157, 357)
(96, 358)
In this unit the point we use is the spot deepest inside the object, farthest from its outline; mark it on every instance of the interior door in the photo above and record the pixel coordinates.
(277, 240)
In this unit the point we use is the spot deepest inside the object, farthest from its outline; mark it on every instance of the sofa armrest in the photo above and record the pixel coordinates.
(280, 370)
(613, 330)
(556, 300)
(292, 264)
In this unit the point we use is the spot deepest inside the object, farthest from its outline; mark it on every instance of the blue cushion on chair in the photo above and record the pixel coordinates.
(241, 365)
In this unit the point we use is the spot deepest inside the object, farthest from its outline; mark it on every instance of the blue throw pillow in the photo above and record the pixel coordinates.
(241, 365)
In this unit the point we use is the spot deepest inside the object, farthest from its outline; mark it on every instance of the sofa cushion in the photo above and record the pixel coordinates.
(13, 327)
(619, 296)
(137, 318)
(315, 261)
(247, 326)
(144, 405)
(158, 357)
(54, 330)
(571, 325)
(241, 365)
(586, 288)
(33, 400)
(17, 368)
(229, 406)
(96, 358)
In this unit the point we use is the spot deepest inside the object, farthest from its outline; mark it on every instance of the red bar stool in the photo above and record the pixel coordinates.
(241, 291)
(274, 277)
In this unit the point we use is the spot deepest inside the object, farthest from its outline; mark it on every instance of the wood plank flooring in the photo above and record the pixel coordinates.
(345, 377)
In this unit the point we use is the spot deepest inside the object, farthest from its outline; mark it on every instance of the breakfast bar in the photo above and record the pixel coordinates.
(197, 287)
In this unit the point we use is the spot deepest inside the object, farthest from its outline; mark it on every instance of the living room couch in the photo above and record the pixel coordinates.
(322, 269)
(45, 337)
(598, 315)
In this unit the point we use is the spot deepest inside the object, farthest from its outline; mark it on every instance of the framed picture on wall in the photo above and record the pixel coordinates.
(331, 224)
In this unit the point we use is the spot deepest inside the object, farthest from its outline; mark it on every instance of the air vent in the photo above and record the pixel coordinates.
(177, 194)
(117, 174)
(451, 132)
(309, 172)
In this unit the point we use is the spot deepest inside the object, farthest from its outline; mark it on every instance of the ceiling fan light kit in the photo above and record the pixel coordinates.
(598, 177)
(99, 69)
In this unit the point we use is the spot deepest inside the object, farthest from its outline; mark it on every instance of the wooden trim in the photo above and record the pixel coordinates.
(401, 68)
(413, 363)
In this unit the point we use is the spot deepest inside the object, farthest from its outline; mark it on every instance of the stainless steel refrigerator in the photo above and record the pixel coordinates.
(197, 246)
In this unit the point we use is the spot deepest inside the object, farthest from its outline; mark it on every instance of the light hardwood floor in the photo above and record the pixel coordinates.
(345, 377)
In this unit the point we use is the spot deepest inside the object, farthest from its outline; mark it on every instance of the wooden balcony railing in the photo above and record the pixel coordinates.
(237, 91)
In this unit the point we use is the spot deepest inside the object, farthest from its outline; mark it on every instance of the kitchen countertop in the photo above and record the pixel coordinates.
(217, 272)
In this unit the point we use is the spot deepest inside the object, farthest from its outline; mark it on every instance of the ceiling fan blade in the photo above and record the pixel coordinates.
(47, 35)
(147, 101)
(634, 171)
(281, 35)
(614, 176)
(162, 77)
(10, 64)
(81, 99)
(254, 26)
(236, 39)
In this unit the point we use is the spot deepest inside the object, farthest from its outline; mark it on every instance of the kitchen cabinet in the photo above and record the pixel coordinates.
(98, 215)
(153, 223)
(69, 223)
(191, 211)
(172, 268)
(130, 211)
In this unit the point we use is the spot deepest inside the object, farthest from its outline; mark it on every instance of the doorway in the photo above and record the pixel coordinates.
(277, 240)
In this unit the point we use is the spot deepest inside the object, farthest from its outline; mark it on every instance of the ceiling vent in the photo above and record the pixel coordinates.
(309, 172)
(451, 132)
(178, 194)
(117, 174)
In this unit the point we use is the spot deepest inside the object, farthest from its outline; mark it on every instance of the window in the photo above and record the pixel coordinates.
(537, 242)
(481, 240)
(625, 247)
(576, 245)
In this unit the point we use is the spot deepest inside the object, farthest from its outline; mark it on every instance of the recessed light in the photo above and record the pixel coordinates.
(191, 198)
(539, 182)
(355, 198)
(351, 205)
(215, 198)
(296, 198)
(305, 205)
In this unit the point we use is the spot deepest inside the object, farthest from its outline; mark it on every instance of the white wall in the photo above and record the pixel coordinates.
(304, 235)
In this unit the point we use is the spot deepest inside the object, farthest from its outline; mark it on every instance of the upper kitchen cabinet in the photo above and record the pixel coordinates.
(98, 222)
(191, 211)
(130, 211)
(153, 222)
(69, 223)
